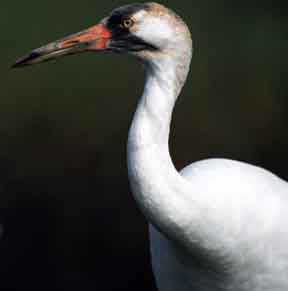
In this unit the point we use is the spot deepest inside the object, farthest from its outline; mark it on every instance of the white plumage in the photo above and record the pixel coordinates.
(218, 224)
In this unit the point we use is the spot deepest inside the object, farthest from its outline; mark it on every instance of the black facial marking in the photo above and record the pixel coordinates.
(122, 38)
(119, 14)
(131, 42)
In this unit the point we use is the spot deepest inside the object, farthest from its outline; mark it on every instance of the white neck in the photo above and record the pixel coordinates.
(155, 182)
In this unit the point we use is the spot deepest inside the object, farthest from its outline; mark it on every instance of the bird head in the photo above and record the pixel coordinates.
(146, 31)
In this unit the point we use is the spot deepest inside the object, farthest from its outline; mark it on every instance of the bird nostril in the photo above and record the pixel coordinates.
(69, 43)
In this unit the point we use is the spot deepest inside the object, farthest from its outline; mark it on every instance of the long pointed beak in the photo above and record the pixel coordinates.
(95, 38)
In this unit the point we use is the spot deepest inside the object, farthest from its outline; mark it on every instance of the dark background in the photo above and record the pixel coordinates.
(69, 219)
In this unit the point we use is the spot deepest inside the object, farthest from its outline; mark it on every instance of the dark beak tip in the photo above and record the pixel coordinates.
(16, 65)
(26, 60)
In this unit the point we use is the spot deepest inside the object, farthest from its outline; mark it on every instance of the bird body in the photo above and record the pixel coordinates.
(245, 245)
(218, 224)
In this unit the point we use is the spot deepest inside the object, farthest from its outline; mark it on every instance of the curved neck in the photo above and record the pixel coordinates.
(152, 119)
(154, 180)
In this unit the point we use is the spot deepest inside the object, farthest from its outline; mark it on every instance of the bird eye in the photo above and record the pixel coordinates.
(127, 23)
